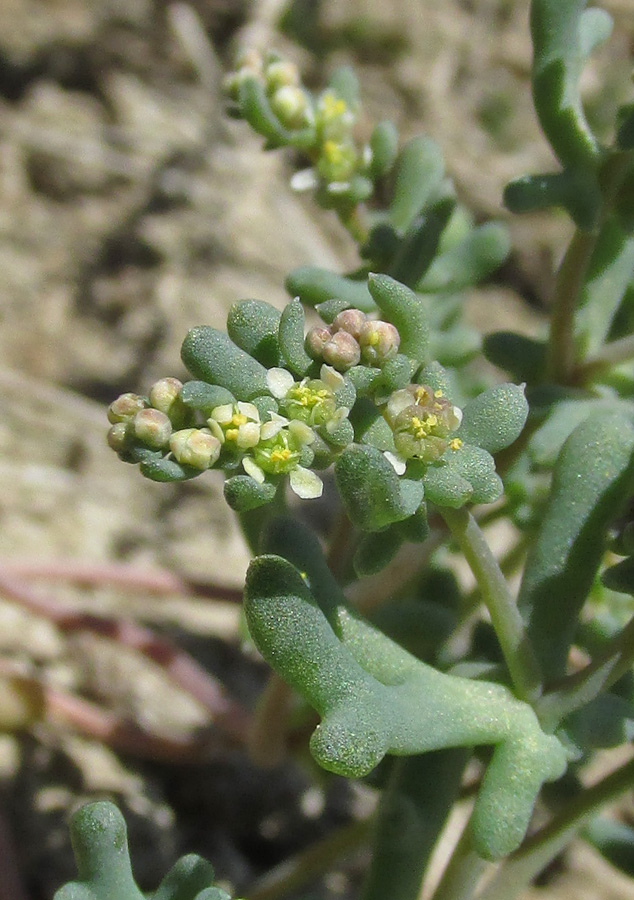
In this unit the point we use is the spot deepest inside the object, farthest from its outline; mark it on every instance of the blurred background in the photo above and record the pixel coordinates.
(131, 209)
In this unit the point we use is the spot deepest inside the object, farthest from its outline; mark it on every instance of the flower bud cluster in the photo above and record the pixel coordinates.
(422, 421)
(353, 338)
(339, 167)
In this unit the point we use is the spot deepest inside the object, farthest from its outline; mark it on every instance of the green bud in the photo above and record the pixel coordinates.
(281, 73)
(118, 437)
(196, 447)
(292, 107)
(153, 428)
(165, 395)
(125, 408)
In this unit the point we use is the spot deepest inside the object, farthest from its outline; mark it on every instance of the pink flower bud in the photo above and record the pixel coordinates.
(152, 428)
(350, 320)
(342, 351)
(125, 408)
(316, 340)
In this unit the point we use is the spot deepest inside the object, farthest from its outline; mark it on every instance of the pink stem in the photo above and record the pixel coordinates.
(183, 670)
(155, 581)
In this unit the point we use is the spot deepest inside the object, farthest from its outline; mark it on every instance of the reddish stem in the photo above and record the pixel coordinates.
(181, 667)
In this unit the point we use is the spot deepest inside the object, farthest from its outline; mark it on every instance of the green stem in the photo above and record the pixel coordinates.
(413, 809)
(519, 870)
(579, 689)
(569, 283)
(463, 872)
(571, 276)
(609, 355)
(294, 873)
(497, 597)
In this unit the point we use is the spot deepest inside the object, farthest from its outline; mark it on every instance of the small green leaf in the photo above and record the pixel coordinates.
(384, 147)
(419, 172)
(253, 326)
(291, 339)
(620, 577)
(314, 285)
(420, 244)
(201, 396)
(167, 470)
(255, 108)
(373, 494)
(469, 262)
(593, 478)
(211, 356)
(576, 191)
(406, 310)
(376, 550)
(522, 356)
(243, 493)
(494, 420)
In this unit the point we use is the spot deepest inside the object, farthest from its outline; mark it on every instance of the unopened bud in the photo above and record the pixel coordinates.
(152, 428)
(196, 447)
(164, 393)
(316, 340)
(281, 73)
(118, 437)
(379, 342)
(342, 351)
(290, 105)
(350, 320)
(125, 408)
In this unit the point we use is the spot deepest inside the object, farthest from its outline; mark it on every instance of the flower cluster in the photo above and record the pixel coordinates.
(422, 420)
(268, 93)
(353, 338)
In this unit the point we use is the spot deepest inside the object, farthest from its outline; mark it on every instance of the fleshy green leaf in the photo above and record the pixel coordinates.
(384, 147)
(593, 477)
(212, 356)
(476, 257)
(253, 326)
(243, 493)
(406, 311)
(373, 494)
(419, 172)
(314, 285)
(291, 339)
(494, 419)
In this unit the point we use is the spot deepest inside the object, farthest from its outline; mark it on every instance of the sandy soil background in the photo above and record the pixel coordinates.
(130, 210)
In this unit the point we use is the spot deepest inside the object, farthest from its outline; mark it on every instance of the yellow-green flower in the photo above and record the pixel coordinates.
(311, 400)
(236, 424)
(422, 421)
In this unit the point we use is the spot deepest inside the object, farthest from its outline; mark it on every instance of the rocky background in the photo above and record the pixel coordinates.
(130, 210)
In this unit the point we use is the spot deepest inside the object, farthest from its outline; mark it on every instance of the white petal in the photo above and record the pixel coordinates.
(270, 429)
(396, 462)
(330, 377)
(216, 430)
(305, 483)
(301, 432)
(279, 381)
(223, 414)
(338, 187)
(399, 401)
(304, 180)
(458, 414)
(251, 468)
(248, 435)
(249, 410)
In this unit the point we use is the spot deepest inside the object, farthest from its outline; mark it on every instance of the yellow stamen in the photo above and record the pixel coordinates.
(455, 443)
(239, 419)
(438, 394)
(231, 434)
(280, 455)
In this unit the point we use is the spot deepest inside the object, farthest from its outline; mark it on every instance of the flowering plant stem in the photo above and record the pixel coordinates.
(505, 616)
